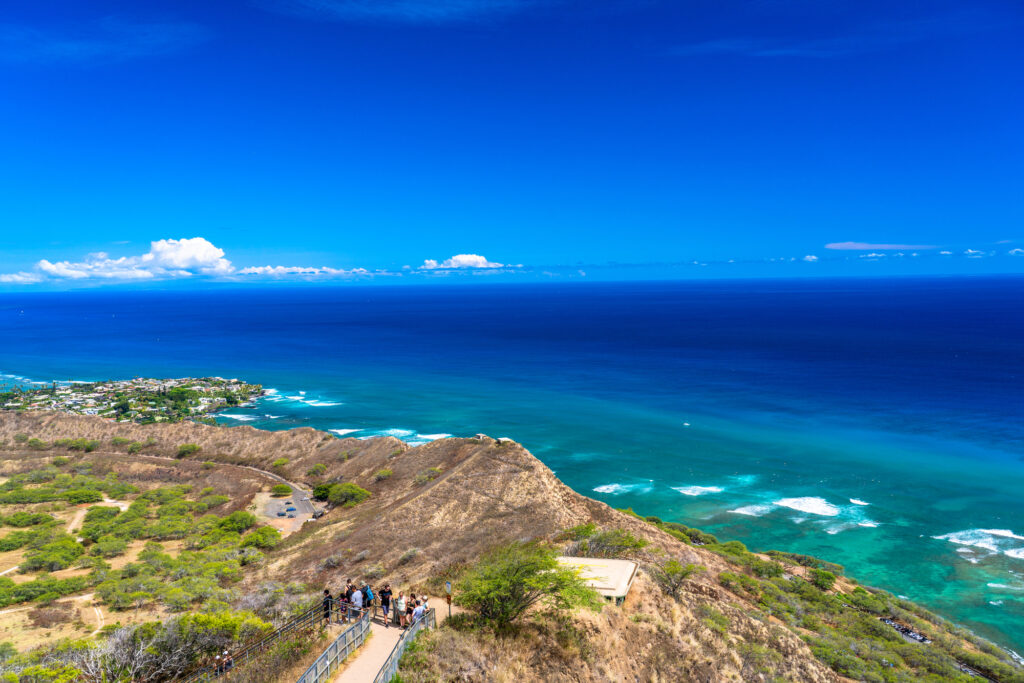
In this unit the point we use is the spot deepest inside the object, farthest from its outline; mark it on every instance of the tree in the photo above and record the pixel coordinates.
(511, 579)
(281, 490)
(321, 491)
(347, 494)
(671, 574)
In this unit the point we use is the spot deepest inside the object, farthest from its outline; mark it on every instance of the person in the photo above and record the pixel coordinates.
(341, 607)
(356, 604)
(229, 662)
(327, 602)
(423, 599)
(218, 666)
(410, 605)
(418, 613)
(385, 603)
(369, 599)
(400, 609)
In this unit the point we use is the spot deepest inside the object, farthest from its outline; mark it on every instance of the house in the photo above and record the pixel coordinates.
(611, 578)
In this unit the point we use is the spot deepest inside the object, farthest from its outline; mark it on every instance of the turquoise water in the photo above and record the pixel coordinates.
(874, 424)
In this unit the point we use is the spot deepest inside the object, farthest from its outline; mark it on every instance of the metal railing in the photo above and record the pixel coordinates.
(390, 668)
(309, 620)
(327, 663)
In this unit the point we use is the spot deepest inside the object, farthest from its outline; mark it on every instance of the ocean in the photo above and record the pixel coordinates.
(873, 423)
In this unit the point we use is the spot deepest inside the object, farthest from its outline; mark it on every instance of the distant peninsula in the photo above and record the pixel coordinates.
(141, 400)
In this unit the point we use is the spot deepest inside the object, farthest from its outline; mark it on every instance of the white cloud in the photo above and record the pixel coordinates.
(974, 253)
(21, 278)
(870, 246)
(810, 258)
(165, 259)
(460, 261)
(281, 271)
(873, 255)
(1016, 252)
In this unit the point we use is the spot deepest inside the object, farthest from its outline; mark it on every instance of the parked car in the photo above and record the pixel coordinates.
(280, 514)
(290, 509)
(291, 516)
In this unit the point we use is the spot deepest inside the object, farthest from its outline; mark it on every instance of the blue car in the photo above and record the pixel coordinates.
(280, 514)
(290, 509)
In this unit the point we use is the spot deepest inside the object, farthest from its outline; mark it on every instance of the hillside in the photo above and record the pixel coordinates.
(436, 508)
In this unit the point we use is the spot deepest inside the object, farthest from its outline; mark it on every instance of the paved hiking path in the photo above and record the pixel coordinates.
(366, 661)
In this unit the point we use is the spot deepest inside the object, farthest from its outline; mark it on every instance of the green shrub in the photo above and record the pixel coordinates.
(427, 475)
(823, 579)
(60, 461)
(381, 475)
(281, 490)
(37, 444)
(78, 496)
(238, 521)
(120, 441)
(322, 491)
(135, 446)
(24, 519)
(610, 543)
(280, 462)
(59, 553)
(264, 537)
(509, 580)
(316, 470)
(579, 532)
(214, 500)
(714, 619)
(187, 449)
(209, 465)
(21, 438)
(347, 494)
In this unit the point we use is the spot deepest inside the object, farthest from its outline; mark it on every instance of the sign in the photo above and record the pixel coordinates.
(448, 587)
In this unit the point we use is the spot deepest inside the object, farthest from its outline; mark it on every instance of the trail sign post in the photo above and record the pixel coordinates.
(448, 597)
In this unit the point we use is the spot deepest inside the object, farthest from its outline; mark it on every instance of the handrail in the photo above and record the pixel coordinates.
(335, 653)
(387, 672)
(310, 619)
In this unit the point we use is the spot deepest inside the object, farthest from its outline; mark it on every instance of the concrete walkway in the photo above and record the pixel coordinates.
(366, 662)
(371, 655)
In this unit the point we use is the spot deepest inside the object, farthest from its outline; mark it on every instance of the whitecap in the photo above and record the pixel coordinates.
(321, 404)
(996, 603)
(242, 418)
(396, 432)
(432, 437)
(1016, 553)
(271, 417)
(858, 501)
(871, 524)
(992, 540)
(343, 432)
(697, 490)
(753, 510)
(270, 392)
(616, 489)
(1003, 586)
(809, 504)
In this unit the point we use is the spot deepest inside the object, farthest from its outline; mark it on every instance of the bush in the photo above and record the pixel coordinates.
(322, 491)
(714, 620)
(381, 475)
(120, 441)
(612, 543)
(347, 494)
(78, 496)
(187, 449)
(21, 438)
(823, 579)
(60, 461)
(37, 444)
(281, 490)
(511, 579)
(85, 445)
(238, 521)
(280, 462)
(24, 519)
(408, 556)
(209, 465)
(427, 475)
(316, 470)
(265, 537)
(135, 446)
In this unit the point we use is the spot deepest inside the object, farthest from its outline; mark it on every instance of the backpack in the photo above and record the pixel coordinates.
(369, 594)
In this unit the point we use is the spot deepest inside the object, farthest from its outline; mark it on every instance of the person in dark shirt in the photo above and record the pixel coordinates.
(385, 602)
(328, 601)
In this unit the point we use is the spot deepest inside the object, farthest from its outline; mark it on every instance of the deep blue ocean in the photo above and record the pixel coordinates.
(875, 423)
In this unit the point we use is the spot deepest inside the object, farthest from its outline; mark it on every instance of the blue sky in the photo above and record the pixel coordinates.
(406, 140)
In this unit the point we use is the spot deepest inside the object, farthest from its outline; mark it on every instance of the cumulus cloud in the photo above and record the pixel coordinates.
(810, 258)
(460, 261)
(167, 258)
(870, 246)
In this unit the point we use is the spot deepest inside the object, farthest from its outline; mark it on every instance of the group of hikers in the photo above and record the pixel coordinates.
(223, 663)
(401, 610)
